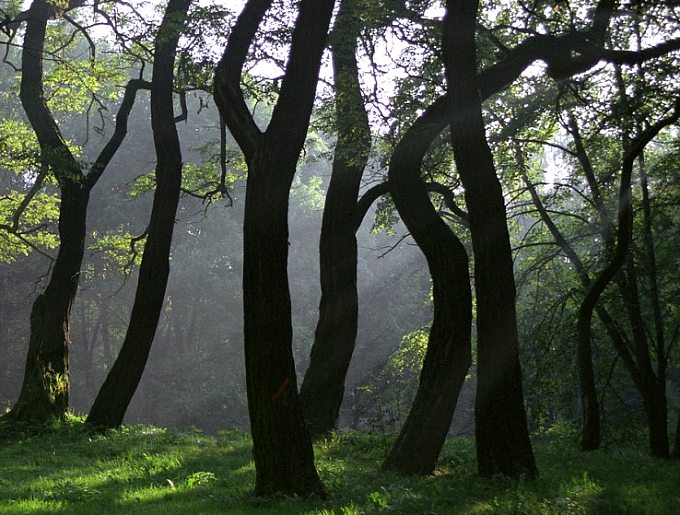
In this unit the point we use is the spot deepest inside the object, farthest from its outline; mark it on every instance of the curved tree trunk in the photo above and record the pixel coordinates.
(502, 437)
(121, 383)
(282, 448)
(646, 380)
(448, 354)
(324, 384)
(45, 389)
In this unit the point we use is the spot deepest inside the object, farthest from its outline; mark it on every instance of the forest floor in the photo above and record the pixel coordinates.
(148, 470)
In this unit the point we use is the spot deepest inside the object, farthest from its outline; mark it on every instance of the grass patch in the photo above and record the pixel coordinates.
(141, 469)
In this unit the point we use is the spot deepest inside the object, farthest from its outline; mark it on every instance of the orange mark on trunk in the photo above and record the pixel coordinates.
(281, 389)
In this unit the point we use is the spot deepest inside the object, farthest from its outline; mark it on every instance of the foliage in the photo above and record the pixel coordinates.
(385, 399)
(34, 230)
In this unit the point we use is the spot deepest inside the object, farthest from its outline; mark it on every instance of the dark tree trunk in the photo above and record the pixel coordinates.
(282, 448)
(121, 383)
(654, 397)
(282, 451)
(45, 389)
(644, 377)
(324, 384)
(502, 437)
(448, 354)
(676, 448)
(590, 431)
(651, 386)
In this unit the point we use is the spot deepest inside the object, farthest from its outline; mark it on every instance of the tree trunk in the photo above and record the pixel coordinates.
(502, 437)
(654, 397)
(282, 448)
(121, 383)
(45, 389)
(645, 379)
(448, 354)
(324, 384)
(651, 385)
(676, 448)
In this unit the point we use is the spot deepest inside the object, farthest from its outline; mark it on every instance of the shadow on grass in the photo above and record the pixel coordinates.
(150, 470)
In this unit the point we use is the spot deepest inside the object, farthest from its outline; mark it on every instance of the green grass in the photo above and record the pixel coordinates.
(147, 470)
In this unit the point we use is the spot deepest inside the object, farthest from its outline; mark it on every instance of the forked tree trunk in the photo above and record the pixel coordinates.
(324, 384)
(502, 437)
(448, 355)
(648, 384)
(121, 383)
(45, 389)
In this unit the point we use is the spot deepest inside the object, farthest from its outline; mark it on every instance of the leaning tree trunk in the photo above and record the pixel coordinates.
(647, 382)
(502, 437)
(121, 383)
(45, 389)
(324, 384)
(448, 355)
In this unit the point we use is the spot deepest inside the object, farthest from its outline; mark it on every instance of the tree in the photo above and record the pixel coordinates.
(502, 438)
(45, 387)
(448, 355)
(323, 387)
(121, 383)
(282, 450)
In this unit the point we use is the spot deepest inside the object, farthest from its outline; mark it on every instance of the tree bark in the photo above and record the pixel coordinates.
(324, 384)
(282, 449)
(676, 448)
(448, 355)
(502, 437)
(45, 388)
(121, 383)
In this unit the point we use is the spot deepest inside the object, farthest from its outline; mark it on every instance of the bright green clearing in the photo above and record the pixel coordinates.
(140, 470)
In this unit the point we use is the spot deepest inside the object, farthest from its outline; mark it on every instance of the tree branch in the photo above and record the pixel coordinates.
(228, 92)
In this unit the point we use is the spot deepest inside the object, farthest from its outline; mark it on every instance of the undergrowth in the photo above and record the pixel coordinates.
(64, 468)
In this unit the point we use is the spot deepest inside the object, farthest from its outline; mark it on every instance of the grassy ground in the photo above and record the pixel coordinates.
(146, 470)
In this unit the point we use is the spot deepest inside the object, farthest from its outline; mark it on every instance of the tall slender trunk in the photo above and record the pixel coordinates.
(652, 388)
(448, 355)
(324, 384)
(645, 378)
(121, 383)
(502, 437)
